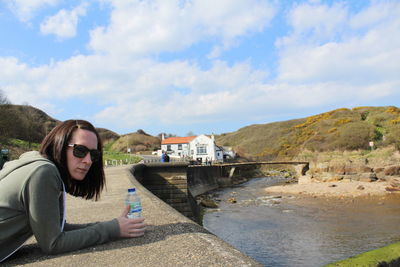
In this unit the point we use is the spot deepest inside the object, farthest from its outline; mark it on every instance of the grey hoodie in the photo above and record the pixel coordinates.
(31, 203)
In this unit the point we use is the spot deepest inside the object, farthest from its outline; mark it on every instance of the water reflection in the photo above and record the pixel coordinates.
(292, 231)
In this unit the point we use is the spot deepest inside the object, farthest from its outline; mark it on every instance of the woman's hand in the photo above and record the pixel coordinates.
(130, 227)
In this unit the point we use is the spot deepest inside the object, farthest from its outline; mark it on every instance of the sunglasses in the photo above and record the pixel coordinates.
(80, 151)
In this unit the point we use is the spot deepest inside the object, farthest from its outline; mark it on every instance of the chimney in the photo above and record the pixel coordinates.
(162, 136)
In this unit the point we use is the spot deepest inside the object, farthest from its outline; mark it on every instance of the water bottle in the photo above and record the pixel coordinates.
(133, 201)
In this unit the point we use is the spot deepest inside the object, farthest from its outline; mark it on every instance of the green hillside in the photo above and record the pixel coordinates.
(340, 129)
(137, 142)
(23, 127)
(24, 122)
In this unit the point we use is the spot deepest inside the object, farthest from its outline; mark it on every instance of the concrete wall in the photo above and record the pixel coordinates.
(202, 179)
(177, 184)
(168, 182)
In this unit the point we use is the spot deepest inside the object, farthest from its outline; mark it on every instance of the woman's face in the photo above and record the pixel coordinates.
(78, 167)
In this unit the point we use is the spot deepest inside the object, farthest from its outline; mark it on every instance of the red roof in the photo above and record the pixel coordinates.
(178, 140)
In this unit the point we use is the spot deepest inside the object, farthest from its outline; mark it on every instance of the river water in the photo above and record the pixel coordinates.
(293, 231)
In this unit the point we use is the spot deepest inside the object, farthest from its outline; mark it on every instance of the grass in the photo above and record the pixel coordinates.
(118, 156)
(370, 258)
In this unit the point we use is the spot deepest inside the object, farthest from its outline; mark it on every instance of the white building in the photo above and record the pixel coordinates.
(201, 148)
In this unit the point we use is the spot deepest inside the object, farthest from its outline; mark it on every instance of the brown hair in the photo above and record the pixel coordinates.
(54, 147)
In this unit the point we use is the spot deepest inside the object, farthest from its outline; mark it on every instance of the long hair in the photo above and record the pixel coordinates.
(54, 147)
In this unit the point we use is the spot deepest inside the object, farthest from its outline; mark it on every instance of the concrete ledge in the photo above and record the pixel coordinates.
(171, 239)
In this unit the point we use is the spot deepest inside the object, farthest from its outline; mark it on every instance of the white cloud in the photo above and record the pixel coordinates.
(146, 27)
(315, 23)
(331, 57)
(349, 54)
(25, 9)
(64, 23)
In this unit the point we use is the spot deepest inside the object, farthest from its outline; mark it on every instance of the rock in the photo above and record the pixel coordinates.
(333, 178)
(395, 183)
(209, 203)
(392, 189)
(332, 185)
(321, 167)
(360, 187)
(275, 201)
(232, 200)
(337, 169)
(287, 211)
(305, 179)
(368, 177)
(381, 175)
(392, 170)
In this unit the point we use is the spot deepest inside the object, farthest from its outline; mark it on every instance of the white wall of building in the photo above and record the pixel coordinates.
(202, 147)
(176, 150)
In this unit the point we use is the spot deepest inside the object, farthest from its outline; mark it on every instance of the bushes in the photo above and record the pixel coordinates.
(355, 136)
(393, 137)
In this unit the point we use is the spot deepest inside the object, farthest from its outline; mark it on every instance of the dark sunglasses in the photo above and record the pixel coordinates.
(80, 151)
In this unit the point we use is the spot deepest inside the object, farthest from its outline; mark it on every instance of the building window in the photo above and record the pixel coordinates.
(201, 150)
(169, 148)
(179, 146)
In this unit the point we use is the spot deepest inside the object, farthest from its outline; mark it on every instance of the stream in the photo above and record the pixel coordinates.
(279, 230)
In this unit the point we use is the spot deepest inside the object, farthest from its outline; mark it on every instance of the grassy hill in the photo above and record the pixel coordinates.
(137, 142)
(340, 129)
(24, 122)
(23, 127)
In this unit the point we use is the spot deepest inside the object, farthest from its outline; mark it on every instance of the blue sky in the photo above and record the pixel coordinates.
(200, 66)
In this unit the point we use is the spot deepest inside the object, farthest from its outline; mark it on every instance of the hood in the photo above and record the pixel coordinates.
(23, 160)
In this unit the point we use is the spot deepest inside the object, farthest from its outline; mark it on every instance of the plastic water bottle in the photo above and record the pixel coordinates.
(133, 201)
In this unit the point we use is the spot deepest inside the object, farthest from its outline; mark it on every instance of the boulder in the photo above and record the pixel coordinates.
(392, 170)
(232, 200)
(209, 203)
(368, 177)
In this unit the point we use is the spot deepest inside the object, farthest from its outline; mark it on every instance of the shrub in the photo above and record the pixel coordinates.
(355, 136)
(395, 121)
(393, 137)
(342, 121)
(364, 115)
(393, 110)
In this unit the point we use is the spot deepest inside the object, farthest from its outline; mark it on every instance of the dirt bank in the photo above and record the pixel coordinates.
(337, 189)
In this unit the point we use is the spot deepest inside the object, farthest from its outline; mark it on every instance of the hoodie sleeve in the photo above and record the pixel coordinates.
(41, 199)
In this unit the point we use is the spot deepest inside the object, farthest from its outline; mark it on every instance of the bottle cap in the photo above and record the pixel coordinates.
(130, 190)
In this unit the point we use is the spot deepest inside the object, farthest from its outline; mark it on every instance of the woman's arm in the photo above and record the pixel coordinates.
(40, 197)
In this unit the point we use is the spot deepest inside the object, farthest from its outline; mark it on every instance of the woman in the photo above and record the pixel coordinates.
(32, 193)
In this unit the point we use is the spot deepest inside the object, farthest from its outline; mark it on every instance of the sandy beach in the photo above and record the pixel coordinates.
(336, 189)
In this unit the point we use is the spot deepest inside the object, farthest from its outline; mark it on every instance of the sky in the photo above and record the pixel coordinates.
(198, 66)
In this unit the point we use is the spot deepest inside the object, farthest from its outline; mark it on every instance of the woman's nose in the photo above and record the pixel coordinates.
(87, 159)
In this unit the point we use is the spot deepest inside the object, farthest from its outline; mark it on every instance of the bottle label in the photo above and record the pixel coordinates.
(135, 210)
